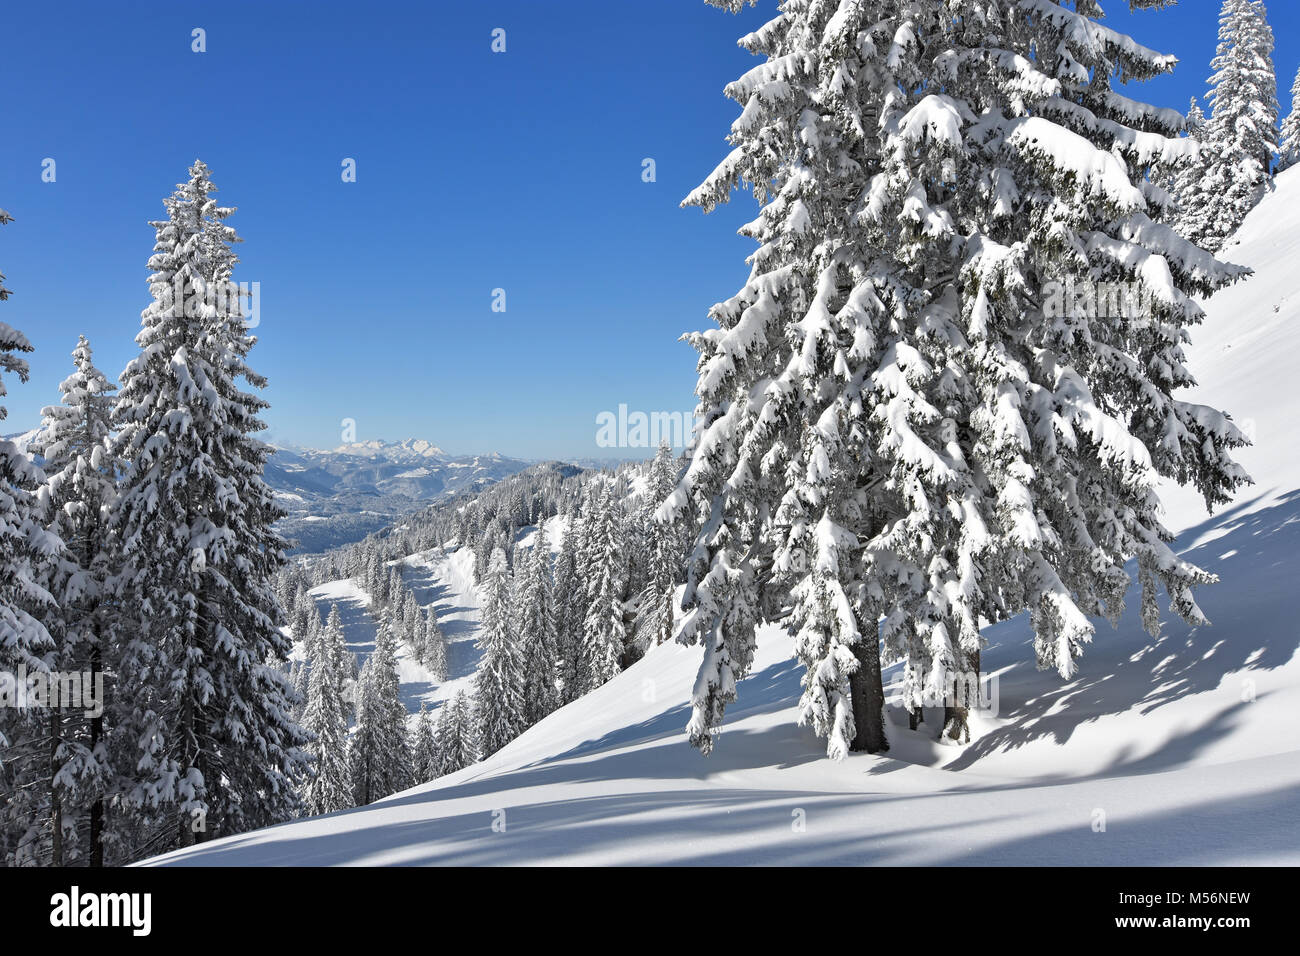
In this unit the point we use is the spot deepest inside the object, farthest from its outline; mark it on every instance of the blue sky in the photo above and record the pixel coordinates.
(475, 171)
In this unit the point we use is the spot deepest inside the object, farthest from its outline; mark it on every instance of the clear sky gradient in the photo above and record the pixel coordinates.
(475, 171)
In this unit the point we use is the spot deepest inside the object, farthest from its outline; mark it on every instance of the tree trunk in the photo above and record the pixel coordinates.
(956, 714)
(201, 834)
(97, 806)
(97, 833)
(88, 551)
(56, 806)
(186, 822)
(868, 696)
(197, 830)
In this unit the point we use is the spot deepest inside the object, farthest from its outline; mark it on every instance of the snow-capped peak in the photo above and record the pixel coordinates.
(408, 449)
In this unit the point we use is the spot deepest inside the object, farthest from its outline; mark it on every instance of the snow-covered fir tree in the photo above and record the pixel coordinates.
(456, 737)
(499, 681)
(495, 538)
(1289, 151)
(424, 748)
(210, 740)
(433, 645)
(535, 632)
(900, 422)
(329, 787)
(604, 568)
(569, 594)
(329, 638)
(300, 678)
(1183, 181)
(305, 614)
(378, 752)
(1240, 137)
(664, 553)
(313, 628)
(312, 634)
(75, 442)
(27, 556)
(412, 622)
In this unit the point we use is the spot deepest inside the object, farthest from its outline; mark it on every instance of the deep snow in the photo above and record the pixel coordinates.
(1181, 750)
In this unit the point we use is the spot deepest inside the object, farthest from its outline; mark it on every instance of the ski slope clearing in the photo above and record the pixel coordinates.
(445, 582)
(441, 581)
(1180, 750)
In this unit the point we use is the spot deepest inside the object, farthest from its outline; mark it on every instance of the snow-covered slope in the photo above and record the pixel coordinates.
(23, 439)
(440, 581)
(1176, 751)
(1247, 355)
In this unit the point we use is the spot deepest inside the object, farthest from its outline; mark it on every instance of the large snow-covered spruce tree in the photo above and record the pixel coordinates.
(499, 681)
(215, 748)
(535, 630)
(75, 442)
(424, 748)
(904, 433)
(378, 751)
(457, 741)
(433, 645)
(28, 554)
(604, 568)
(1241, 135)
(570, 604)
(1184, 180)
(663, 544)
(329, 787)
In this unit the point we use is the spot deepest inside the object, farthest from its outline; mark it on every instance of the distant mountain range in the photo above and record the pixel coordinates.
(335, 497)
(414, 467)
(409, 449)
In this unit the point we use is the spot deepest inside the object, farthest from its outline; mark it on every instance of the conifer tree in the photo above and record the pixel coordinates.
(665, 553)
(1241, 135)
(28, 553)
(300, 678)
(1184, 178)
(305, 611)
(534, 609)
(1289, 151)
(343, 663)
(329, 788)
(210, 741)
(498, 683)
(379, 756)
(434, 645)
(457, 743)
(313, 629)
(424, 749)
(604, 633)
(899, 422)
(76, 444)
(570, 605)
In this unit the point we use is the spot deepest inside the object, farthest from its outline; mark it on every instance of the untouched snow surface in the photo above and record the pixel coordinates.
(1176, 751)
